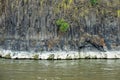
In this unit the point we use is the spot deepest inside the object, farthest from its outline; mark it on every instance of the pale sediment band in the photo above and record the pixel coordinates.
(60, 55)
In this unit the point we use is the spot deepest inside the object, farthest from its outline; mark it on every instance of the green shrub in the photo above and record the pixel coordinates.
(93, 2)
(62, 24)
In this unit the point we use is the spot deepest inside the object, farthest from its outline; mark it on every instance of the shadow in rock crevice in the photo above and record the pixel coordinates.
(90, 46)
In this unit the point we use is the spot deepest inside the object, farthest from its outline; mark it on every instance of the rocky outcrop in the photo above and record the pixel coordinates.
(94, 40)
(30, 25)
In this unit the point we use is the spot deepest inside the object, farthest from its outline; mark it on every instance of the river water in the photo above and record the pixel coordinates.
(84, 69)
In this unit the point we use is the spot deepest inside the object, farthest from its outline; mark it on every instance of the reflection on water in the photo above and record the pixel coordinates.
(59, 69)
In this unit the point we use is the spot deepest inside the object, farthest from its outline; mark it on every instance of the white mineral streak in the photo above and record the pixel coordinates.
(61, 54)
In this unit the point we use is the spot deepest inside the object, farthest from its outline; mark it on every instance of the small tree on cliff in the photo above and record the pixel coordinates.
(62, 24)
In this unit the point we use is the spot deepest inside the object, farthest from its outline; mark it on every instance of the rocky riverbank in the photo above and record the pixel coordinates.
(59, 26)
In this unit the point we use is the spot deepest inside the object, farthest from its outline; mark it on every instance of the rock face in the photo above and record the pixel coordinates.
(30, 25)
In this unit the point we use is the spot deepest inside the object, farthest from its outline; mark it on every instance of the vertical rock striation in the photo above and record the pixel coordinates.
(30, 25)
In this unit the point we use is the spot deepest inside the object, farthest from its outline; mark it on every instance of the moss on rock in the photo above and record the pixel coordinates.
(36, 56)
(7, 56)
(51, 57)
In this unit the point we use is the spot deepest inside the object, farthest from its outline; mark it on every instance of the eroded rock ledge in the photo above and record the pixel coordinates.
(59, 55)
